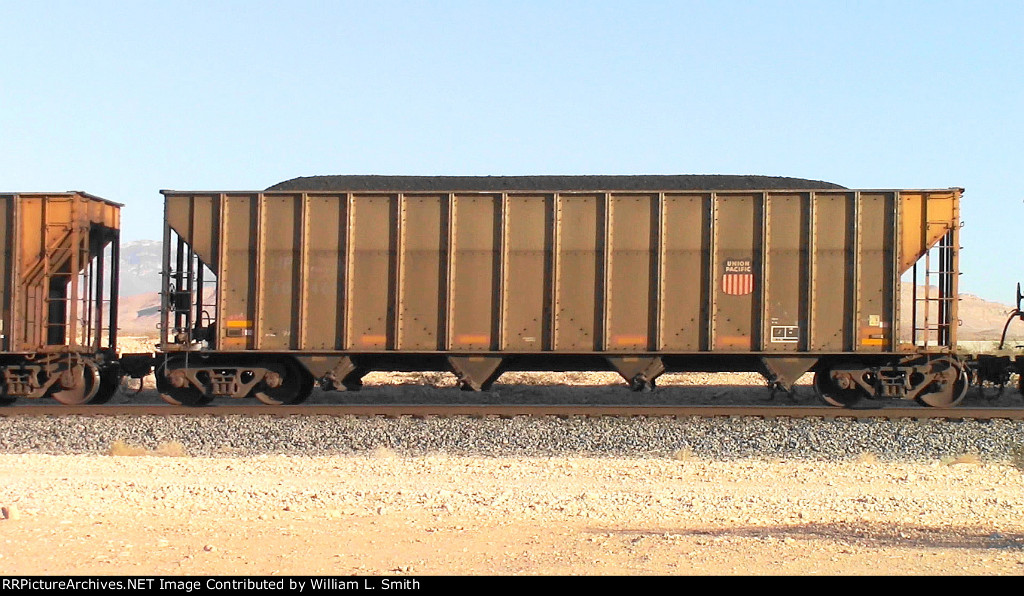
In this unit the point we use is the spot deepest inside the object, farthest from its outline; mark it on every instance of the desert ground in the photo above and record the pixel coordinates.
(165, 513)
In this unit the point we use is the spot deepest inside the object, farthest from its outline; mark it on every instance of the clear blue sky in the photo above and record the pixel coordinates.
(125, 98)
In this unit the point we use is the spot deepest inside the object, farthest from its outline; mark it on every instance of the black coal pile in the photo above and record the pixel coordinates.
(549, 183)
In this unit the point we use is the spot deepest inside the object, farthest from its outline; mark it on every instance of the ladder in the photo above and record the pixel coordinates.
(926, 332)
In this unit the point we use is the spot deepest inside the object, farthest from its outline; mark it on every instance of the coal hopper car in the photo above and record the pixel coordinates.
(58, 297)
(267, 293)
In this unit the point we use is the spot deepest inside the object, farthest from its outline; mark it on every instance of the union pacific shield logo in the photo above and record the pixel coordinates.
(738, 279)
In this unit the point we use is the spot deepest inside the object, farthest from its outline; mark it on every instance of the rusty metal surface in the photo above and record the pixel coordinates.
(423, 411)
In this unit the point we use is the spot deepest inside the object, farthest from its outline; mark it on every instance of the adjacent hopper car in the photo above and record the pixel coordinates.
(58, 296)
(323, 280)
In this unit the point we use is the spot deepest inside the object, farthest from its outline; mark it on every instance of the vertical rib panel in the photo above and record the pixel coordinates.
(371, 271)
(324, 265)
(833, 275)
(422, 273)
(527, 272)
(785, 274)
(279, 256)
(580, 239)
(475, 272)
(686, 219)
(238, 270)
(736, 237)
(632, 256)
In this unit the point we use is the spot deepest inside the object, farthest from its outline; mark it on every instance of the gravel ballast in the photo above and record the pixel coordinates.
(715, 438)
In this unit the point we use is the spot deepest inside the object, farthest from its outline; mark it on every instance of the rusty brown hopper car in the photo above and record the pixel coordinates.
(487, 275)
(57, 319)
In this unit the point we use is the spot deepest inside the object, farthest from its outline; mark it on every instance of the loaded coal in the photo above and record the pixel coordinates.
(549, 183)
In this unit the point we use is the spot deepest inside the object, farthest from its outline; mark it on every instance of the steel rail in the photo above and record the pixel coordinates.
(510, 411)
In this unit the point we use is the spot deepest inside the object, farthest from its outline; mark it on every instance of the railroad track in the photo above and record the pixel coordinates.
(508, 411)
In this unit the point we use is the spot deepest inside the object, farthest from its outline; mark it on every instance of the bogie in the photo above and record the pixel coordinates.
(198, 380)
(936, 380)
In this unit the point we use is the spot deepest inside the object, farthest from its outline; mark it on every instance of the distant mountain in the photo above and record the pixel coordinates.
(140, 267)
